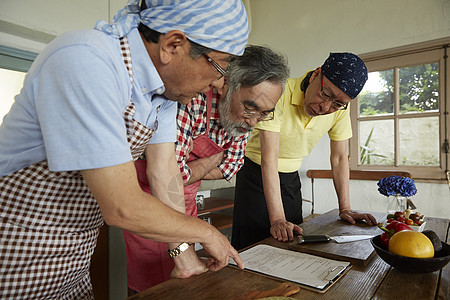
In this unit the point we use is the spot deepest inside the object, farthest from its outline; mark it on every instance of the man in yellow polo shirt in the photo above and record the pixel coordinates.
(268, 197)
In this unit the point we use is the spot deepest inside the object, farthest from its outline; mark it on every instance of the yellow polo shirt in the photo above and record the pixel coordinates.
(299, 133)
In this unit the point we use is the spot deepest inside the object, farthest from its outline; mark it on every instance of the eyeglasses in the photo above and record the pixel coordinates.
(259, 115)
(216, 65)
(327, 97)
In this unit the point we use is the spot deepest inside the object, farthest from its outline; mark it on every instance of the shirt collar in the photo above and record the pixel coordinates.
(143, 68)
(299, 95)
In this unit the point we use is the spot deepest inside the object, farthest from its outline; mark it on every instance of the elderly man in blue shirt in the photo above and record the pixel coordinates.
(92, 103)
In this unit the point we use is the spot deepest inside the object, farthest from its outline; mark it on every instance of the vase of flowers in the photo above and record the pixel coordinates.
(396, 189)
(396, 203)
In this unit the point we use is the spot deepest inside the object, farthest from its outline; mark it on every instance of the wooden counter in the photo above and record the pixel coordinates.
(375, 280)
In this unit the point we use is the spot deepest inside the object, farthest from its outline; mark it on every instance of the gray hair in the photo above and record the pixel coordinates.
(256, 65)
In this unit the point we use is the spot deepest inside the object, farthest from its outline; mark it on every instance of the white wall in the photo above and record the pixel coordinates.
(306, 31)
(28, 24)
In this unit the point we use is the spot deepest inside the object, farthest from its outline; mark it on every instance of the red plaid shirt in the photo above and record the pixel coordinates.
(191, 123)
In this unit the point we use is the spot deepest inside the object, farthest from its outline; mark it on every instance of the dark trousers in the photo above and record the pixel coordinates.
(250, 216)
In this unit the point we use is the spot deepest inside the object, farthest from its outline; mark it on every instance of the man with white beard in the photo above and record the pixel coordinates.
(212, 135)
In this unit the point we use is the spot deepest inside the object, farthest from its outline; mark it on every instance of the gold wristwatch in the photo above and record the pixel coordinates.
(178, 250)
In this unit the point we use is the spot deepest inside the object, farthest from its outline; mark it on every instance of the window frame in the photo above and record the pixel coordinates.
(16, 59)
(392, 59)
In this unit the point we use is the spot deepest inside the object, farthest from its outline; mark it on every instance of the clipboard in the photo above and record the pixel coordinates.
(332, 277)
(311, 272)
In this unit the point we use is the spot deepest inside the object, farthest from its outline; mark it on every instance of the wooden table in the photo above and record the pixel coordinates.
(375, 280)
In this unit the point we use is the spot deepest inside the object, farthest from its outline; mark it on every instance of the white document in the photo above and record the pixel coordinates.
(302, 268)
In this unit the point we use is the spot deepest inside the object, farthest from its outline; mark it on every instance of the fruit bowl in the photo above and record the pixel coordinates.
(414, 217)
(409, 264)
(419, 228)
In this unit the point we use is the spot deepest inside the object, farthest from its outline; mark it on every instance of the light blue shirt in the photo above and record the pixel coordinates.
(70, 110)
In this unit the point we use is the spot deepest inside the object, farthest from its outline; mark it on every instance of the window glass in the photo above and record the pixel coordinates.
(377, 97)
(376, 142)
(419, 88)
(11, 83)
(419, 141)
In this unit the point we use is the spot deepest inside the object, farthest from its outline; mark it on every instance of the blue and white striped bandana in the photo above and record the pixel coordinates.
(346, 71)
(220, 25)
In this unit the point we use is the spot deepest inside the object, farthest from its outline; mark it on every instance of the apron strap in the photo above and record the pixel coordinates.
(126, 57)
(208, 108)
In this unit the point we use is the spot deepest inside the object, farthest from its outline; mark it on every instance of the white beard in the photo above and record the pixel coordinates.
(232, 128)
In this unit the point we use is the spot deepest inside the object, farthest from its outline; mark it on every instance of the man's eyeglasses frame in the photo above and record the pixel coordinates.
(336, 105)
(261, 116)
(216, 65)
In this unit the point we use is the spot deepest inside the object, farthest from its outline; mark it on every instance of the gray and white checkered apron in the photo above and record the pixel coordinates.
(49, 223)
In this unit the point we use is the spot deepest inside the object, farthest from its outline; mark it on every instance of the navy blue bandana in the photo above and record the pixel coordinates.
(346, 71)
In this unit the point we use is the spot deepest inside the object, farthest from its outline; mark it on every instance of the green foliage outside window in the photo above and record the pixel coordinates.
(366, 153)
(418, 91)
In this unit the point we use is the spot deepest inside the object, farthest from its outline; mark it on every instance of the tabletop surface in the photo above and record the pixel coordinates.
(374, 280)
(359, 253)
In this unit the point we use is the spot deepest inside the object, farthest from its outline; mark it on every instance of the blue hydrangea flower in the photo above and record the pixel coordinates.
(397, 185)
